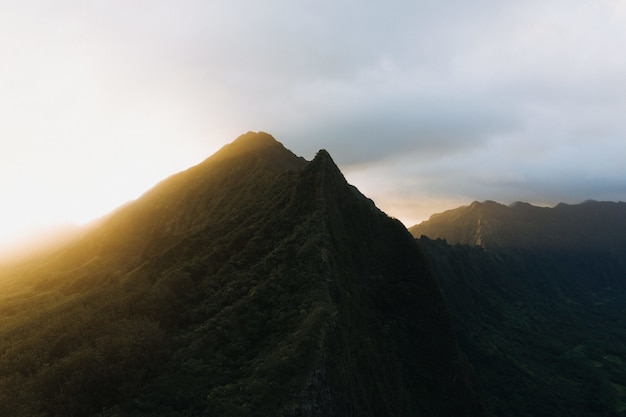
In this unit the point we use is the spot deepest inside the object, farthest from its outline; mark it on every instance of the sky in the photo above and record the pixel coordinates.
(424, 105)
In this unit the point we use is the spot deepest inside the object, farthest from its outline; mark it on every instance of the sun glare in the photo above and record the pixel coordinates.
(47, 196)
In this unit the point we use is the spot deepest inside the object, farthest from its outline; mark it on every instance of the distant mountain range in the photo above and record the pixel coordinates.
(253, 284)
(489, 224)
(537, 296)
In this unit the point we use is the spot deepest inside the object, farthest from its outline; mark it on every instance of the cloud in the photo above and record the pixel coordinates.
(439, 101)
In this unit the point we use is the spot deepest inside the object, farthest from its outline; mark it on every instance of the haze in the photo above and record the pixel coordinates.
(423, 106)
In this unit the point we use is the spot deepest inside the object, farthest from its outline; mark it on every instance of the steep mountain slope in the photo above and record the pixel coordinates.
(252, 284)
(204, 195)
(539, 343)
(537, 297)
(489, 224)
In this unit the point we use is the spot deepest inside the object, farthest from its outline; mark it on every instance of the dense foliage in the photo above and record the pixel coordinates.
(254, 284)
(544, 329)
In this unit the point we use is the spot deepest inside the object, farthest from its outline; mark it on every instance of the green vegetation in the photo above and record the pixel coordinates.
(253, 284)
(544, 329)
(589, 225)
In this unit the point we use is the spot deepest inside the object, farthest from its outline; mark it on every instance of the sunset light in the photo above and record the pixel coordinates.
(312, 208)
(425, 106)
(59, 185)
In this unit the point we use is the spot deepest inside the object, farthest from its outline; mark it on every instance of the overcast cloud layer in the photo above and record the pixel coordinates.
(423, 105)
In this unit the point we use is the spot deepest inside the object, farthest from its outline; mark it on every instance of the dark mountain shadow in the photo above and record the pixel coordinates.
(253, 284)
(539, 304)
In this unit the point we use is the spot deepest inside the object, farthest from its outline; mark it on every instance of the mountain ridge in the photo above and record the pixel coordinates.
(537, 299)
(490, 224)
(148, 225)
(392, 292)
(261, 144)
(238, 287)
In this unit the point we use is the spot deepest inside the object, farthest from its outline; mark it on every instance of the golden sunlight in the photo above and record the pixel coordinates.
(49, 193)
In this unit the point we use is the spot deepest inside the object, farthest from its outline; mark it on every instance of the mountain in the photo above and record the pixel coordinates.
(537, 300)
(253, 284)
(490, 224)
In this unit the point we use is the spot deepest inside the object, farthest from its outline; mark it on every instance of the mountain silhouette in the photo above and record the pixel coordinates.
(490, 224)
(253, 284)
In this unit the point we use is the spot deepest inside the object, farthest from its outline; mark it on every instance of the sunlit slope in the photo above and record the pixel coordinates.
(211, 192)
(187, 201)
(490, 224)
(252, 284)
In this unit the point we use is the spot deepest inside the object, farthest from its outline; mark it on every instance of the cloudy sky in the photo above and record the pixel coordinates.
(424, 105)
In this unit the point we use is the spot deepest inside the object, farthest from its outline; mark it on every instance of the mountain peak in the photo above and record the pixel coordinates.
(323, 154)
(255, 138)
(263, 146)
(249, 142)
(328, 174)
(324, 160)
